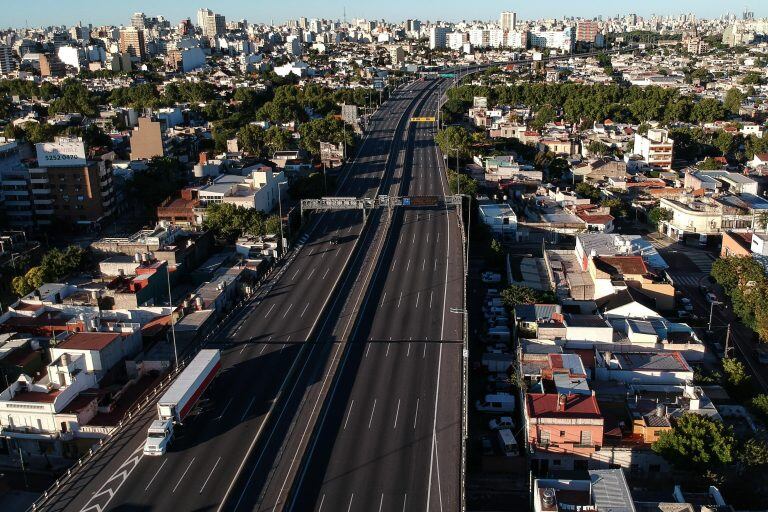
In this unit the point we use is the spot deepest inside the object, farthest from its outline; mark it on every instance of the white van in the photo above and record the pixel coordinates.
(508, 443)
(496, 403)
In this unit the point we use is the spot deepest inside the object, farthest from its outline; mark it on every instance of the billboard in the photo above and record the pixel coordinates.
(61, 153)
(349, 113)
(330, 152)
(480, 102)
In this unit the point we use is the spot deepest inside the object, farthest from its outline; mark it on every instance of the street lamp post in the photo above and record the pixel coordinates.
(170, 303)
(280, 214)
(711, 313)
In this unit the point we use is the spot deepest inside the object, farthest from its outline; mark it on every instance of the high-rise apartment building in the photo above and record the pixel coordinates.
(413, 25)
(507, 21)
(656, 148)
(212, 24)
(7, 64)
(586, 31)
(139, 21)
(132, 42)
(437, 37)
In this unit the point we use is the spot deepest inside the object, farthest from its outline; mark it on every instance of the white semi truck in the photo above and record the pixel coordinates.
(180, 399)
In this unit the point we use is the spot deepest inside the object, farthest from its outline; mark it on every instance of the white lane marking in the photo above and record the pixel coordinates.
(397, 413)
(423, 355)
(434, 267)
(413, 240)
(158, 472)
(183, 475)
(409, 265)
(245, 345)
(405, 498)
(349, 413)
(322, 500)
(438, 238)
(423, 262)
(394, 263)
(416, 416)
(225, 408)
(427, 237)
(263, 349)
(323, 254)
(270, 310)
(384, 298)
(381, 501)
(287, 310)
(418, 294)
(367, 349)
(431, 294)
(372, 411)
(295, 274)
(408, 353)
(305, 310)
(209, 475)
(387, 353)
(326, 272)
(245, 413)
(311, 273)
(350, 502)
(400, 299)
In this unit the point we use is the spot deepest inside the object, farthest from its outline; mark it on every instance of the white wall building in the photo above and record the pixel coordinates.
(437, 36)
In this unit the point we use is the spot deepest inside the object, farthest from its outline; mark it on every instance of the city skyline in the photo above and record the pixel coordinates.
(49, 12)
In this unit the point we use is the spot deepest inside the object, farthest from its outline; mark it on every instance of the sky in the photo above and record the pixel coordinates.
(35, 13)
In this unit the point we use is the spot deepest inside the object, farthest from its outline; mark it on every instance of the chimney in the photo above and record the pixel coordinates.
(661, 410)
(562, 399)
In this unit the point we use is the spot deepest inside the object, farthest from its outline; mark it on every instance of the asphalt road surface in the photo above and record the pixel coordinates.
(390, 435)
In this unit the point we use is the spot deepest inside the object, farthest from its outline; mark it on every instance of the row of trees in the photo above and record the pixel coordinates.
(745, 283)
(594, 102)
(54, 265)
(228, 222)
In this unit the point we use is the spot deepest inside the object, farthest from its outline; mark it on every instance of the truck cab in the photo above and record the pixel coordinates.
(159, 436)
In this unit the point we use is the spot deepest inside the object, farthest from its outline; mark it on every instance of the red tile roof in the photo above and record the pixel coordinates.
(37, 397)
(545, 406)
(89, 340)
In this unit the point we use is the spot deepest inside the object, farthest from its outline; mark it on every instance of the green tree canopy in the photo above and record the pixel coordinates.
(697, 442)
(454, 138)
(513, 295)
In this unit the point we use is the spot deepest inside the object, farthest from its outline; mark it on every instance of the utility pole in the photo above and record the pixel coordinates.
(728, 340)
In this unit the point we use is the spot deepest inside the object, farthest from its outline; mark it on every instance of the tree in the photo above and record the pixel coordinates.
(709, 164)
(698, 443)
(733, 99)
(545, 115)
(658, 215)
(327, 129)
(617, 207)
(272, 225)
(596, 147)
(735, 373)
(461, 183)
(452, 139)
(277, 139)
(587, 191)
(313, 186)
(754, 453)
(707, 110)
(162, 178)
(725, 142)
(514, 295)
(759, 404)
(250, 138)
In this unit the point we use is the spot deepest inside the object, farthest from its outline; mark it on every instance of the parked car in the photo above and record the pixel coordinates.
(502, 422)
(496, 403)
(508, 443)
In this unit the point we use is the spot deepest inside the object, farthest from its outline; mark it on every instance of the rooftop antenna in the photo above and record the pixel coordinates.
(345, 14)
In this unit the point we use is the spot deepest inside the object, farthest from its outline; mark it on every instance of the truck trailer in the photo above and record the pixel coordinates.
(179, 400)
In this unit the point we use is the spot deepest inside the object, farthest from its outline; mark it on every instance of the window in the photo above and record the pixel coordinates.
(544, 436)
(562, 433)
(586, 437)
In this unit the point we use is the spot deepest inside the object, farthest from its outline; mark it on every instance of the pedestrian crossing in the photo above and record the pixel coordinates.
(702, 260)
(680, 278)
